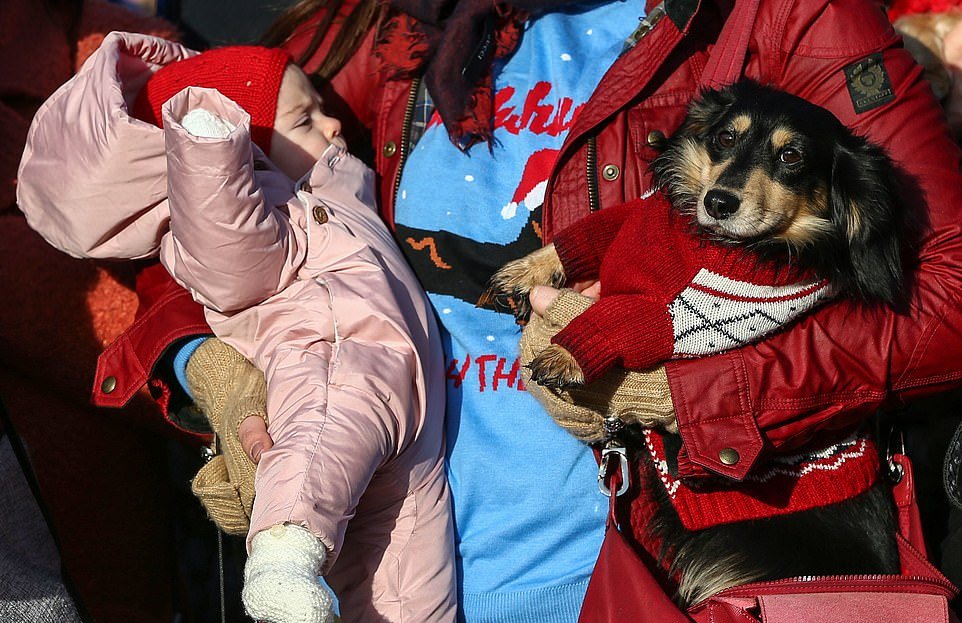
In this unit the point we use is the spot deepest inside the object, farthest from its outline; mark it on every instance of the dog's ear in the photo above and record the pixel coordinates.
(675, 163)
(868, 216)
(706, 109)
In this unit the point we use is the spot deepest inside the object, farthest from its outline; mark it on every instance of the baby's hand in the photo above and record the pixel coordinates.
(205, 124)
(254, 437)
(280, 578)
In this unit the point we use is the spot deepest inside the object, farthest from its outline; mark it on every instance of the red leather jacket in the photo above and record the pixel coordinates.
(839, 364)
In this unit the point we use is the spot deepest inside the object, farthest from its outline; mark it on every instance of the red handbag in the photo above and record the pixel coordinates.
(623, 587)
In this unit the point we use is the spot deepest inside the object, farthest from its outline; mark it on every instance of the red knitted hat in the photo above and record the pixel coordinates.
(248, 75)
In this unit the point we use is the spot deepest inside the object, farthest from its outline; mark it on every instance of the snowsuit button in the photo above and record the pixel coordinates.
(109, 384)
(656, 139)
(320, 216)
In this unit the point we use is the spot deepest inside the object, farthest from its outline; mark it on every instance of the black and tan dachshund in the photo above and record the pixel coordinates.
(765, 170)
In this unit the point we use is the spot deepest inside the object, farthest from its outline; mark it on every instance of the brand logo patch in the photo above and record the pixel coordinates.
(868, 83)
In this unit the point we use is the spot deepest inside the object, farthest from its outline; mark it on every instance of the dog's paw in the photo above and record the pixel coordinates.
(510, 286)
(554, 367)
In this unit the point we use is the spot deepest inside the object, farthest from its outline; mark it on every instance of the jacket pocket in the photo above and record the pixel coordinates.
(651, 126)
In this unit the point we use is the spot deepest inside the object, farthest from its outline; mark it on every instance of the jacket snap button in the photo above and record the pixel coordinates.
(610, 172)
(656, 139)
(728, 456)
(320, 216)
(109, 384)
(390, 148)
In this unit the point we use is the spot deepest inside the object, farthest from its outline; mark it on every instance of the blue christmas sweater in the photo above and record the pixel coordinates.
(529, 517)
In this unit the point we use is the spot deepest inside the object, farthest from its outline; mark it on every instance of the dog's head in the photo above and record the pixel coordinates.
(756, 166)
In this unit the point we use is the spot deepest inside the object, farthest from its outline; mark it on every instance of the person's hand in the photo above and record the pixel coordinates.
(254, 437)
(542, 296)
(635, 397)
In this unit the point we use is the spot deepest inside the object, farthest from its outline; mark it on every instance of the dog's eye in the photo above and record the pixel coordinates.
(790, 156)
(725, 139)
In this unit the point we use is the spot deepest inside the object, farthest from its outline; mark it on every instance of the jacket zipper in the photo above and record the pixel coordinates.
(405, 134)
(591, 163)
(591, 170)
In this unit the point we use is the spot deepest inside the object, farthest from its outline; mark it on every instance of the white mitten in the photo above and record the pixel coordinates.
(280, 578)
(205, 124)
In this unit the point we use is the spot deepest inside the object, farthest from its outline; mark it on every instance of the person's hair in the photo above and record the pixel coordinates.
(355, 26)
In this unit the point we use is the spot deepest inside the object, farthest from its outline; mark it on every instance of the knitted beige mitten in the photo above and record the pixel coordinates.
(228, 389)
(280, 578)
(635, 397)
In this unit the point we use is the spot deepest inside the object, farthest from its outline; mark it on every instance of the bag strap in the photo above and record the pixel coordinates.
(909, 519)
(727, 60)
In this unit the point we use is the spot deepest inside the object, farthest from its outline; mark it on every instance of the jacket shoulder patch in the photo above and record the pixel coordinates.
(868, 83)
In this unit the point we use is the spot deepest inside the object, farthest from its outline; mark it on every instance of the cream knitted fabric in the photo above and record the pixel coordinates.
(228, 389)
(205, 124)
(280, 578)
(635, 397)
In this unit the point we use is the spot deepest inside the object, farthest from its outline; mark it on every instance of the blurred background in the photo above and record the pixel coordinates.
(97, 521)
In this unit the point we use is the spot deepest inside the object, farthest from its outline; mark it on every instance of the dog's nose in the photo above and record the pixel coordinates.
(721, 204)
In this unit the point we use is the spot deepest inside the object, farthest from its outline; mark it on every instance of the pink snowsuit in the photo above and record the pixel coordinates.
(305, 280)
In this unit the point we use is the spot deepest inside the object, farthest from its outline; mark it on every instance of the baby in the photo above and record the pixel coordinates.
(297, 272)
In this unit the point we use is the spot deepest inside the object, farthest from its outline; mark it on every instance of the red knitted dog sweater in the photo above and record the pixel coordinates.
(667, 293)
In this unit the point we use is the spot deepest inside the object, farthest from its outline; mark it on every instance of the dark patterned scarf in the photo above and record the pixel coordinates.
(453, 44)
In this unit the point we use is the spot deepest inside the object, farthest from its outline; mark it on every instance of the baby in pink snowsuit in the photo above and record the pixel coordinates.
(296, 271)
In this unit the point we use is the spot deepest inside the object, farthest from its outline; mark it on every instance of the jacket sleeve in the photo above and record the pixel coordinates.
(845, 361)
(226, 245)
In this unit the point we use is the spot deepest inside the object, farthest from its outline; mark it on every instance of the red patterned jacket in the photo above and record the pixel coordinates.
(837, 365)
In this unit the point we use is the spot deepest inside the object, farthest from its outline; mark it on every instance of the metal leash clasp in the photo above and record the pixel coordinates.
(613, 426)
(896, 471)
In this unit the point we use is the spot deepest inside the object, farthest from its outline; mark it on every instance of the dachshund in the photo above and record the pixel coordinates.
(768, 172)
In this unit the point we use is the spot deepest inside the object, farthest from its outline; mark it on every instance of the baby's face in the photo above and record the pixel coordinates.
(301, 129)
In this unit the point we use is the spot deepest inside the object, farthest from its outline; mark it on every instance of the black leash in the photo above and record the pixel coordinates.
(952, 469)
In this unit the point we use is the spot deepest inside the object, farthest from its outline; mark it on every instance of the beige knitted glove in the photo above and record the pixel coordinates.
(228, 389)
(635, 397)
